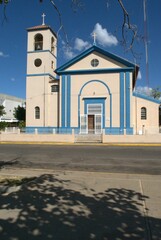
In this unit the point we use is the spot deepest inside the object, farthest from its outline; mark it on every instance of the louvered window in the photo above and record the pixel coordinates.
(83, 120)
(55, 88)
(98, 123)
(94, 109)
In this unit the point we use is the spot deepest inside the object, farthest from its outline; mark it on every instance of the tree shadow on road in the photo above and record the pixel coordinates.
(8, 163)
(47, 208)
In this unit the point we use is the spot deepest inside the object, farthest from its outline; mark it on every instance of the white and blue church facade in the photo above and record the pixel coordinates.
(92, 93)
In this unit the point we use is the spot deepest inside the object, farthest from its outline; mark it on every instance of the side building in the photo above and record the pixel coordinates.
(10, 103)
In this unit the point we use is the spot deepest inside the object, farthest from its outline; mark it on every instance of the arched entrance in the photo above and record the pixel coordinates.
(91, 107)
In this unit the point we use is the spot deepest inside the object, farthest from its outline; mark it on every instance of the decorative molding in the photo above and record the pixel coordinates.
(41, 75)
(94, 71)
(41, 51)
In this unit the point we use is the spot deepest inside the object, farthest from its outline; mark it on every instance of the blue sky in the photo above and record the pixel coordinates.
(103, 17)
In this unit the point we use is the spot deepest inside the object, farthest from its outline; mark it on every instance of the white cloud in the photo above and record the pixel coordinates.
(144, 90)
(3, 55)
(68, 51)
(81, 44)
(103, 37)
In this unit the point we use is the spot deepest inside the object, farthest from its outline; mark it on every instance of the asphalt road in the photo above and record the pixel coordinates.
(118, 159)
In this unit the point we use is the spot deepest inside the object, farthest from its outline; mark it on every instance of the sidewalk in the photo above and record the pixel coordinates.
(66, 205)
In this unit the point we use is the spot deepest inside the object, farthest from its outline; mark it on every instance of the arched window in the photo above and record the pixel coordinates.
(38, 42)
(143, 113)
(37, 113)
(52, 45)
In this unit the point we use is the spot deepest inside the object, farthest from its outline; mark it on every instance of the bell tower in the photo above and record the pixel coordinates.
(41, 83)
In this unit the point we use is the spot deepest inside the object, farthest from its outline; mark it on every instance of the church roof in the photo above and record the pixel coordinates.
(130, 65)
(143, 96)
(9, 97)
(40, 28)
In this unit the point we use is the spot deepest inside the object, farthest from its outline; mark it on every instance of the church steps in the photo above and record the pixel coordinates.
(88, 138)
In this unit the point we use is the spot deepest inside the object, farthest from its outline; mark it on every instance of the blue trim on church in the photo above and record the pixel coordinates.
(63, 101)
(48, 130)
(145, 97)
(66, 101)
(66, 130)
(114, 131)
(122, 100)
(95, 71)
(40, 51)
(110, 95)
(99, 50)
(127, 79)
(41, 75)
(96, 101)
(95, 81)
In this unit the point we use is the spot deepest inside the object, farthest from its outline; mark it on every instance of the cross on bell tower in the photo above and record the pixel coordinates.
(94, 35)
(43, 19)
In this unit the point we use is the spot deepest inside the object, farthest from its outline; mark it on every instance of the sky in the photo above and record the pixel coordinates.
(104, 17)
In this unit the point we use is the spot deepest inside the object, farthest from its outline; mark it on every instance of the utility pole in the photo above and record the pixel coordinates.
(146, 42)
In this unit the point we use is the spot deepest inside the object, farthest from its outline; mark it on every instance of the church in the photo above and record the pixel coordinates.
(91, 94)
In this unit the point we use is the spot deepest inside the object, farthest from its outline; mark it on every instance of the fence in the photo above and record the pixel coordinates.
(12, 130)
(13, 135)
(77, 131)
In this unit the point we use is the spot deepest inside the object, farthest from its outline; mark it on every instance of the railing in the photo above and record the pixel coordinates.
(11, 130)
(108, 131)
(48, 130)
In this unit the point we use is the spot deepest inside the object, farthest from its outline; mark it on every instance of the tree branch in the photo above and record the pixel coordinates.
(127, 25)
(4, 3)
(76, 4)
(60, 21)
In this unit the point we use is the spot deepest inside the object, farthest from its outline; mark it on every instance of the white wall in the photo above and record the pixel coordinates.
(151, 124)
(10, 103)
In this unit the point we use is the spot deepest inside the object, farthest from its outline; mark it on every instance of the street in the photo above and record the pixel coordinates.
(111, 159)
(112, 195)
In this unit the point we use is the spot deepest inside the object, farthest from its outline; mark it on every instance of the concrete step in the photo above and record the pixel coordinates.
(89, 138)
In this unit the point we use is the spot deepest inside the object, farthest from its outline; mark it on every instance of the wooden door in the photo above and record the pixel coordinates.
(90, 123)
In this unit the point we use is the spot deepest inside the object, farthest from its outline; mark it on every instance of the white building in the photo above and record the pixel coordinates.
(10, 103)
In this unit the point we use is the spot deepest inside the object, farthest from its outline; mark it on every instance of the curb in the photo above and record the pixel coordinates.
(85, 144)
